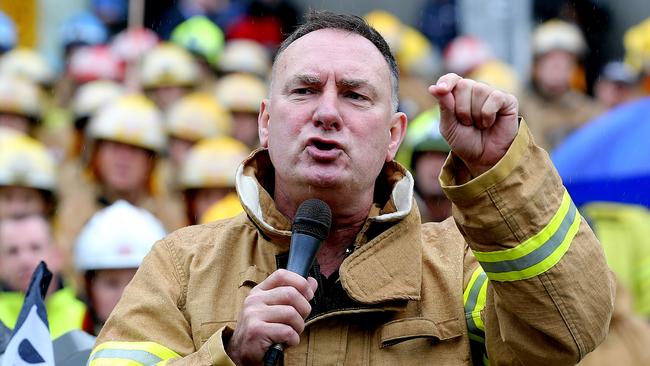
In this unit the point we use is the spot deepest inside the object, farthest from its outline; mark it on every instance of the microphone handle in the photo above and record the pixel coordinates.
(302, 252)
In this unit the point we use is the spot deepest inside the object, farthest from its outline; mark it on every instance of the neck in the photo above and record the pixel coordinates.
(349, 213)
(133, 196)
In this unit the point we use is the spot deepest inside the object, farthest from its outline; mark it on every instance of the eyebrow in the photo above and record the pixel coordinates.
(314, 80)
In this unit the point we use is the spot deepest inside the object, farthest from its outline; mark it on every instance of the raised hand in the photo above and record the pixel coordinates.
(478, 121)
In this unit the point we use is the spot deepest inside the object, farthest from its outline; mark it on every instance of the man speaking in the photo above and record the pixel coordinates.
(516, 277)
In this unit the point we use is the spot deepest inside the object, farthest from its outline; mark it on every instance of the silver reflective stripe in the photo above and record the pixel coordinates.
(144, 357)
(537, 255)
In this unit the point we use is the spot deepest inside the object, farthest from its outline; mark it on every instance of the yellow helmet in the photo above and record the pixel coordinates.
(497, 74)
(20, 96)
(198, 116)
(243, 55)
(388, 25)
(226, 207)
(168, 65)
(29, 64)
(241, 92)
(130, 119)
(637, 46)
(25, 162)
(417, 56)
(91, 96)
(212, 163)
(556, 34)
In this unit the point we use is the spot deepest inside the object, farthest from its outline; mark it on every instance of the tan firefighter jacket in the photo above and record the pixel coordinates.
(542, 294)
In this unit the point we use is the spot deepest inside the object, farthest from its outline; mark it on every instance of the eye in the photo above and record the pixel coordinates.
(355, 96)
(303, 91)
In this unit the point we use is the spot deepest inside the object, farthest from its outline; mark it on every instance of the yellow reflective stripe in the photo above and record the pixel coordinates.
(541, 252)
(486, 362)
(544, 265)
(130, 353)
(113, 362)
(533, 242)
(474, 298)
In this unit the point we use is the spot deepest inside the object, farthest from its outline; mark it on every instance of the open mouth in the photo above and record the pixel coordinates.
(322, 145)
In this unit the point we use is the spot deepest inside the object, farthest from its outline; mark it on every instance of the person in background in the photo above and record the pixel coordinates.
(125, 140)
(618, 83)
(205, 40)
(192, 118)
(424, 151)
(25, 241)
(553, 107)
(241, 94)
(207, 179)
(167, 73)
(418, 60)
(20, 105)
(108, 252)
(28, 180)
(637, 52)
(88, 99)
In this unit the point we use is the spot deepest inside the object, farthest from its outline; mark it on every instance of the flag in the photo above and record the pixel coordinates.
(30, 343)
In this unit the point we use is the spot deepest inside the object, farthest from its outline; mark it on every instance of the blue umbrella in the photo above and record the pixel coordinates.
(608, 159)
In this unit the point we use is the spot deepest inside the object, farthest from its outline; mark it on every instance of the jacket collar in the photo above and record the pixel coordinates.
(386, 263)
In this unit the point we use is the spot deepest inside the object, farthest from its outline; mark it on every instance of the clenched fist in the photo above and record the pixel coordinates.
(478, 121)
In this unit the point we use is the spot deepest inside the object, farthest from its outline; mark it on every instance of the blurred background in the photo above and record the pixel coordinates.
(133, 115)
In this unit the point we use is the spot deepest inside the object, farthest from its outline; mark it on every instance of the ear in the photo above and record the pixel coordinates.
(396, 134)
(263, 121)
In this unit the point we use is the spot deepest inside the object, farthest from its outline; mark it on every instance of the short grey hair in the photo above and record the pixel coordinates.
(322, 19)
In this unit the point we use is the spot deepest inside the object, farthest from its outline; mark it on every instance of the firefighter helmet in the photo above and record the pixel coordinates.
(241, 92)
(118, 236)
(198, 116)
(130, 119)
(212, 163)
(168, 65)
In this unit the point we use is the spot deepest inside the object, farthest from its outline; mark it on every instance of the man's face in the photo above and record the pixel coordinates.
(121, 167)
(427, 170)
(329, 122)
(17, 201)
(23, 244)
(106, 289)
(553, 72)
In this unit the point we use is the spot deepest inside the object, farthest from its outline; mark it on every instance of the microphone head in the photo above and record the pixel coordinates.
(314, 218)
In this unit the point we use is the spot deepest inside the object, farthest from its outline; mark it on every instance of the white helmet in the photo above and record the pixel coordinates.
(119, 236)
(558, 35)
(92, 96)
(243, 55)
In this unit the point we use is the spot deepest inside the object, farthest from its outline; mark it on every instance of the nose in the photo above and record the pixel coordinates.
(327, 114)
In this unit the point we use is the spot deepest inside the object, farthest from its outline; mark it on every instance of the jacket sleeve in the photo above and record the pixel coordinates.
(543, 294)
(149, 325)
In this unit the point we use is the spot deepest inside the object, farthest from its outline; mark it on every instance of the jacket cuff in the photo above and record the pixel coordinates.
(216, 346)
(457, 190)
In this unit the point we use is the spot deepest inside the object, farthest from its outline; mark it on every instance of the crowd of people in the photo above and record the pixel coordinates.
(143, 132)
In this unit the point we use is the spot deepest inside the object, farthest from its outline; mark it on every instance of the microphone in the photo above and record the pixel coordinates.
(311, 225)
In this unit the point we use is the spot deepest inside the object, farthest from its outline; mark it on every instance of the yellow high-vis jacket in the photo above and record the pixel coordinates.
(515, 278)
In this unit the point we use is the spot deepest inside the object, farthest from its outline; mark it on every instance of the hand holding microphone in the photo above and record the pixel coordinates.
(274, 312)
